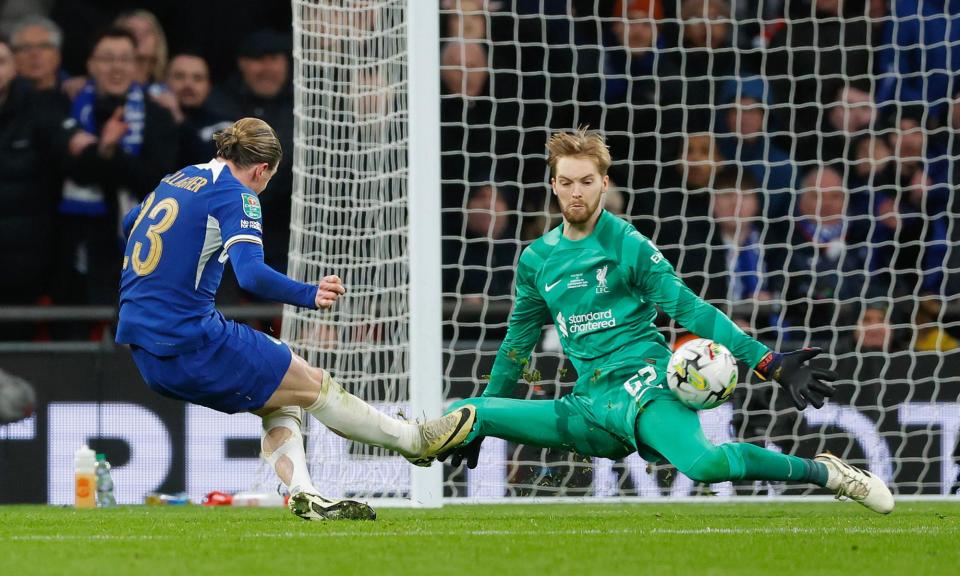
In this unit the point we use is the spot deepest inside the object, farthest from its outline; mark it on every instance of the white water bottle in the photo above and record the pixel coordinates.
(85, 472)
(259, 499)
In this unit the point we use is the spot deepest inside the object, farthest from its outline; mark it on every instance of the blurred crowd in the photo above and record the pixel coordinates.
(795, 160)
(97, 104)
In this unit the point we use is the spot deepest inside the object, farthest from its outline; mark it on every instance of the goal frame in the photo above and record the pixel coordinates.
(423, 221)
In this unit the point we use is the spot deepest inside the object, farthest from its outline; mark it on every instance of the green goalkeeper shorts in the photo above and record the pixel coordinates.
(611, 394)
(596, 419)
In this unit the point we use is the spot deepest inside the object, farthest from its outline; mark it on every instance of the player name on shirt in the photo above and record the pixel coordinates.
(180, 180)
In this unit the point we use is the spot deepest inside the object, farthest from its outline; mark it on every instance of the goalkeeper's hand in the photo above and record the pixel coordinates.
(469, 452)
(805, 383)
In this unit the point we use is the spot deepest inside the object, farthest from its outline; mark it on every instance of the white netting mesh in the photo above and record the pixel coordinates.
(350, 214)
(794, 160)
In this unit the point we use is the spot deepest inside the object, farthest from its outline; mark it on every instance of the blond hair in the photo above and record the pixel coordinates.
(159, 71)
(581, 144)
(247, 142)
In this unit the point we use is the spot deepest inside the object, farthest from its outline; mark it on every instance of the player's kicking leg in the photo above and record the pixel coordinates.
(347, 415)
(317, 392)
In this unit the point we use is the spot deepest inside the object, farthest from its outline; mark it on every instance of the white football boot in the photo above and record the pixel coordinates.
(856, 484)
(444, 434)
(315, 507)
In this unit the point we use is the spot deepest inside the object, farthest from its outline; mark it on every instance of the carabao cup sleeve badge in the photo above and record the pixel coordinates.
(251, 206)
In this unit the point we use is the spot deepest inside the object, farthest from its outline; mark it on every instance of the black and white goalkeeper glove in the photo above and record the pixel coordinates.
(806, 384)
(469, 452)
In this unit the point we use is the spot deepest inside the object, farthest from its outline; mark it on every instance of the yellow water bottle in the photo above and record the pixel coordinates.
(85, 467)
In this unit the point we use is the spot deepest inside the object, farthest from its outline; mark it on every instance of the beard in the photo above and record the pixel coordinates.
(580, 213)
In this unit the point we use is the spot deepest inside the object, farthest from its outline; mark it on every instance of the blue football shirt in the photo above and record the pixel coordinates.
(175, 254)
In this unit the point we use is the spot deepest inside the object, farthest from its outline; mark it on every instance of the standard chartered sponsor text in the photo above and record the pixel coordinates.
(592, 321)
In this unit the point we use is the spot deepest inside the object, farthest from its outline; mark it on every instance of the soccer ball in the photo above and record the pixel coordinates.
(702, 374)
(17, 398)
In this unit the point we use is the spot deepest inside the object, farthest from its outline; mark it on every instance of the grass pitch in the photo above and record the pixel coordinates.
(699, 539)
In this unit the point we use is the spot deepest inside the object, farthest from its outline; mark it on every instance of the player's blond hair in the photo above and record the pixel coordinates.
(247, 142)
(581, 144)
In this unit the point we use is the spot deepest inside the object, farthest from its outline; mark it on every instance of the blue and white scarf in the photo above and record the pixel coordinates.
(88, 199)
(827, 238)
(747, 268)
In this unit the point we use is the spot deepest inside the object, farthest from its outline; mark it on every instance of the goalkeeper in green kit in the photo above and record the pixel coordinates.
(599, 280)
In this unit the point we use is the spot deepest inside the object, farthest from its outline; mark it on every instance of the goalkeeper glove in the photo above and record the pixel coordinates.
(469, 452)
(805, 383)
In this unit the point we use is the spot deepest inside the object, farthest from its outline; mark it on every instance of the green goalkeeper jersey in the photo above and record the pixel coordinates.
(601, 292)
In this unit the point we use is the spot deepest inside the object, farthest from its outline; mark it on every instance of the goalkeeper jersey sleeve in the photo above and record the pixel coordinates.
(658, 283)
(526, 320)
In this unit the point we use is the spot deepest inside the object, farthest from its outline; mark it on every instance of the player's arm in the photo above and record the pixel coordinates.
(256, 277)
(129, 220)
(659, 283)
(238, 213)
(529, 314)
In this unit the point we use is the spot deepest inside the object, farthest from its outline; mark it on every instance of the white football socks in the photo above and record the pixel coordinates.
(287, 458)
(352, 418)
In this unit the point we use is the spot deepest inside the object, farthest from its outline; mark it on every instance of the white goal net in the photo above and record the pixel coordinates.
(350, 218)
(795, 161)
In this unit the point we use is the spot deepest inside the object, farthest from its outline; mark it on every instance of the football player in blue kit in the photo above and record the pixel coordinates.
(178, 240)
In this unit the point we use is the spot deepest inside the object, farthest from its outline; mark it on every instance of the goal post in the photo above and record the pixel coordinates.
(366, 207)
(423, 187)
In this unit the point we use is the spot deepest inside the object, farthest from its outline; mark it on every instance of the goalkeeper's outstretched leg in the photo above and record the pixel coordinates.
(673, 431)
(557, 424)
(667, 428)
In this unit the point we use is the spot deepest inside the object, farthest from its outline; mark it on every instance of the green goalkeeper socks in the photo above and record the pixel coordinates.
(674, 431)
(749, 462)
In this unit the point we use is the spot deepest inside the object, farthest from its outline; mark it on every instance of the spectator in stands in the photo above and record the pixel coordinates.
(873, 331)
(464, 69)
(643, 92)
(872, 172)
(909, 240)
(263, 90)
(848, 133)
(482, 259)
(705, 57)
(913, 53)
(465, 115)
(737, 264)
(152, 50)
(805, 57)
(36, 46)
(127, 143)
(33, 144)
(872, 159)
(909, 252)
(907, 133)
(465, 19)
(188, 79)
(676, 212)
(152, 57)
(743, 128)
(754, 24)
(849, 113)
(821, 275)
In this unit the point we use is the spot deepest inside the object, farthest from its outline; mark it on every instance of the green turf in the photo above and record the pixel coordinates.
(615, 539)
